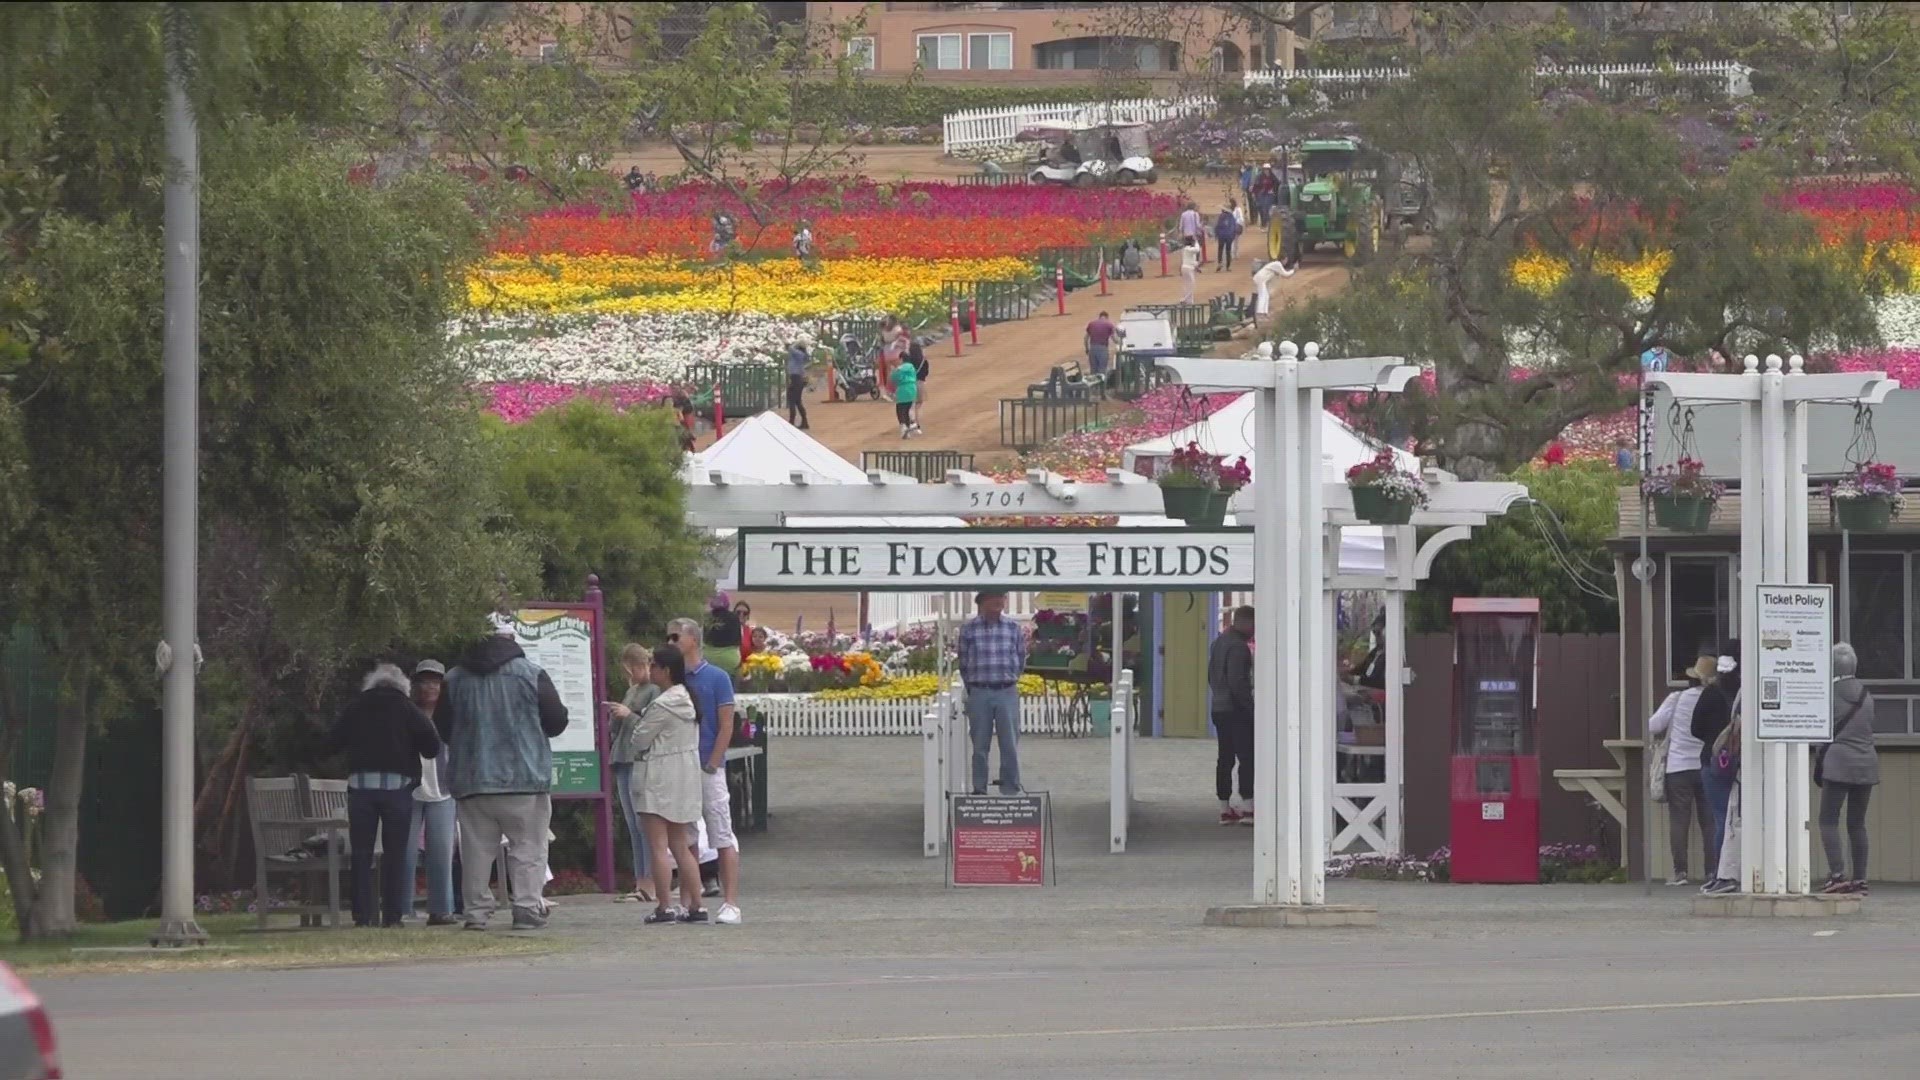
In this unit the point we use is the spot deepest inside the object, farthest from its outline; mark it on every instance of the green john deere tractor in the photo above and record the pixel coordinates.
(1328, 197)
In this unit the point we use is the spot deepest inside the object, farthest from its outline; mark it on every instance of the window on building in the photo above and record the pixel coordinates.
(939, 52)
(1877, 613)
(990, 52)
(549, 50)
(861, 52)
(1700, 613)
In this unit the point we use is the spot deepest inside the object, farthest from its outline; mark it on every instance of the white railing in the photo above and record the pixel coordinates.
(1738, 76)
(971, 128)
(789, 715)
(898, 610)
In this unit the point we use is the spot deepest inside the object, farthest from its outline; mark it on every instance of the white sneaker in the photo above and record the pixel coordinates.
(728, 915)
(1678, 880)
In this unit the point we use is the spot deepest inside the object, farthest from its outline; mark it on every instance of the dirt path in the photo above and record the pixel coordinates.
(962, 409)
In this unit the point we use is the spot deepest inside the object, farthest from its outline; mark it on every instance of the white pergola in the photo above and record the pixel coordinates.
(1775, 848)
(1297, 518)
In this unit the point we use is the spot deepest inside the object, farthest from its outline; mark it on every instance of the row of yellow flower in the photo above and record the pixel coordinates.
(623, 285)
(906, 687)
(1541, 273)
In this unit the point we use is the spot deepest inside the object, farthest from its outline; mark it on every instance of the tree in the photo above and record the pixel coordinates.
(339, 454)
(1713, 265)
(600, 492)
(1553, 547)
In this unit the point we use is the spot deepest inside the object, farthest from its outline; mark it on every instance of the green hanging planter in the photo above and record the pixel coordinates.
(1870, 513)
(1683, 513)
(1197, 506)
(1372, 505)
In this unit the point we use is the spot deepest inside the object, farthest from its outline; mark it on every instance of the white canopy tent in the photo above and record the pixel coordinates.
(766, 449)
(1229, 433)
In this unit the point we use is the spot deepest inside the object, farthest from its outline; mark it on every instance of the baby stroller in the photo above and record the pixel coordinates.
(857, 367)
(1131, 262)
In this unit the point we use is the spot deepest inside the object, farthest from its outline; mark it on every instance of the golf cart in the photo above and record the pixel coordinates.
(1341, 192)
(1087, 154)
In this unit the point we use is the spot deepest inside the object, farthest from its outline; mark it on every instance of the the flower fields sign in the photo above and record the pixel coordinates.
(921, 560)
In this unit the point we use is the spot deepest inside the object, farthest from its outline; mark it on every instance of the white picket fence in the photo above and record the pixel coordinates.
(805, 714)
(1738, 77)
(899, 610)
(971, 128)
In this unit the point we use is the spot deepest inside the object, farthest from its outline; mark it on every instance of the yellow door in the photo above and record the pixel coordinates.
(1184, 665)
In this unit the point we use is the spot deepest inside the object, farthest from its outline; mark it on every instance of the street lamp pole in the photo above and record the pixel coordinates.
(180, 587)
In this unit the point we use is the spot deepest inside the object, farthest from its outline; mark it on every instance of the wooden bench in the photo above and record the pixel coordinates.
(1066, 382)
(284, 825)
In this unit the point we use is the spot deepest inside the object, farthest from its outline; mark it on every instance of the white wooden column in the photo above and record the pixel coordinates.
(1396, 709)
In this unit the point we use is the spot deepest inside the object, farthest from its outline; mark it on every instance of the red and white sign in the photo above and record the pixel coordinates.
(999, 839)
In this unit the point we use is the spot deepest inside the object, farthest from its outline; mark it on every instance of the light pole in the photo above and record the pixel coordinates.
(180, 587)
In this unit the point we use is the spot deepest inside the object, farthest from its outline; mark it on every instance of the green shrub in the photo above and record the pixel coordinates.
(893, 104)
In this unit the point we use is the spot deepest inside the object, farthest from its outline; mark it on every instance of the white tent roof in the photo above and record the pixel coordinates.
(768, 449)
(1229, 432)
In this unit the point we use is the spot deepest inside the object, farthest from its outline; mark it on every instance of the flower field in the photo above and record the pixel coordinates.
(576, 300)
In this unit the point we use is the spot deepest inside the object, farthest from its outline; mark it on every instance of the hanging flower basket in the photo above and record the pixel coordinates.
(1196, 486)
(1383, 492)
(1867, 500)
(1372, 504)
(1683, 496)
(1683, 513)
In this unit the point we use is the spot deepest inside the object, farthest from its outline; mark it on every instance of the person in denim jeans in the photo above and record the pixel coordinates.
(434, 816)
(385, 736)
(993, 653)
(637, 661)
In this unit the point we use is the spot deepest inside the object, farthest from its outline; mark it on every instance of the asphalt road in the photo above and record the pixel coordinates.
(1749, 1000)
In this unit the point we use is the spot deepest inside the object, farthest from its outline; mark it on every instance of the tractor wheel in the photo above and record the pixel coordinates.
(1152, 175)
(1283, 238)
(1083, 180)
(1366, 242)
(1126, 176)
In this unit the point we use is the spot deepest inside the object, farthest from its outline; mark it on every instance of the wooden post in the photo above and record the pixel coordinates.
(719, 413)
(1060, 285)
(1163, 254)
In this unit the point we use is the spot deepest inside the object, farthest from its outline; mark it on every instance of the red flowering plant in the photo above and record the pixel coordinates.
(1684, 479)
(1385, 475)
(1192, 467)
(1870, 480)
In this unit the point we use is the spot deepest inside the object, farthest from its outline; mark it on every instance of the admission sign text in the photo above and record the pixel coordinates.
(921, 560)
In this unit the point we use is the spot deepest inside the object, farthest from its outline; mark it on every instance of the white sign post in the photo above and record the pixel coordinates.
(1792, 685)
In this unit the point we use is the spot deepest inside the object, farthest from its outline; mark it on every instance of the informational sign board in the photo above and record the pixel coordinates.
(1058, 560)
(1790, 694)
(1074, 602)
(564, 641)
(1001, 839)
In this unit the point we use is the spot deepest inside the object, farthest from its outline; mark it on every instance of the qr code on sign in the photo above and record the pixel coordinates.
(1769, 691)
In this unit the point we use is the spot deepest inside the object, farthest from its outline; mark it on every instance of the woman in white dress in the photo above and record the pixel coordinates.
(667, 784)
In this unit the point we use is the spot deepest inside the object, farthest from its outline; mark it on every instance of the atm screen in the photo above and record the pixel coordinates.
(1495, 721)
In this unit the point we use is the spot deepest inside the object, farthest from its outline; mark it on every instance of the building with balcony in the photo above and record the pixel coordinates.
(1039, 42)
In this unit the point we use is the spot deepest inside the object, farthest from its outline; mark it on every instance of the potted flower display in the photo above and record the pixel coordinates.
(1196, 485)
(1867, 500)
(1383, 492)
(1683, 495)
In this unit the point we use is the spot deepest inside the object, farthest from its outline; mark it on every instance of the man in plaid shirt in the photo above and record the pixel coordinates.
(993, 653)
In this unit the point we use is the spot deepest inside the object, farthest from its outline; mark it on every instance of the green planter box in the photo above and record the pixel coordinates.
(1682, 513)
(1371, 505)
(1203, 508)
(1871, 514)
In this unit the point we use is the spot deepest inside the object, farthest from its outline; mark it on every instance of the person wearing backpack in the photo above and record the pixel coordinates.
(1847, 770)
(1226, 232)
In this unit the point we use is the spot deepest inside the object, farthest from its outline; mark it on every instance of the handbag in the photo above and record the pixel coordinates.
(1657, 769)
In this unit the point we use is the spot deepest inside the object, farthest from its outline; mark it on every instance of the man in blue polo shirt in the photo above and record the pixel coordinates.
(712, 691)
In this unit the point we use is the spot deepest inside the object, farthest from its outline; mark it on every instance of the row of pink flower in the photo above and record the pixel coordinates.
(934, 200)
(1853, 198)
(519, 401)
(1088, 454)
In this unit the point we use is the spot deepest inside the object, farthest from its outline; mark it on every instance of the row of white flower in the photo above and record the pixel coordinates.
(589, 349)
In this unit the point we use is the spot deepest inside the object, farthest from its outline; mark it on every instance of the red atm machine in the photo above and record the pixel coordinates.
(1496, 760)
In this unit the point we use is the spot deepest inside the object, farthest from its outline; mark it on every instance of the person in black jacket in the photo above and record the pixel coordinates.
(384, 735)
(1712, 714)
(1230, 677)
